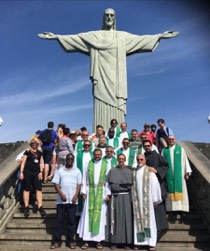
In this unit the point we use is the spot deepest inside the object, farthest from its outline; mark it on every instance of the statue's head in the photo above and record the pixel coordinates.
(109, 20)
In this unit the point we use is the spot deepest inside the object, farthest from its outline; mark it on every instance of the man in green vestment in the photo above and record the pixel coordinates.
(179, 171)
(96, 193)
(109, 157)
(111, 140)
(129, 153)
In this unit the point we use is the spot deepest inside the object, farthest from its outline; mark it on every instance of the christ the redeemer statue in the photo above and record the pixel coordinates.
(108, 49)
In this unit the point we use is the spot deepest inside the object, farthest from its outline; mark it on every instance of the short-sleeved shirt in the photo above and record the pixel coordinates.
(33, 161)
(68, 181)
(54, 136)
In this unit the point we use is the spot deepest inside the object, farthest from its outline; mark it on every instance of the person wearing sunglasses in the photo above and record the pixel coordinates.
(109, 157)
(79, 144)
(111, 140)
(145, 185)
(143, 136)
(129, 153)
(31, 175)
(179, 172)
(159, 166)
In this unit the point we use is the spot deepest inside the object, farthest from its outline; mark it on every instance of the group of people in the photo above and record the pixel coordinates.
(119, 183)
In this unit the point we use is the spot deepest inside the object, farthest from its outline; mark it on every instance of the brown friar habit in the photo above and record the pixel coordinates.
(120, 180)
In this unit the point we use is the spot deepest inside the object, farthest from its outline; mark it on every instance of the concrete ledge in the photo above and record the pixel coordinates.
(198, 159)
(9, 165)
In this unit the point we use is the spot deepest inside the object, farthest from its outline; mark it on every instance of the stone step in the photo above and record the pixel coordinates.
(37, 246)
(184, 226)
(28, 225)
(33, 214)
(24, 235)
(46, 204)
(63, 247)
(50, 222)
(184, 238)
(32, 220)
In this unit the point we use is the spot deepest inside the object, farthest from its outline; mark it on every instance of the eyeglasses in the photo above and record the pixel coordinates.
(140, 159)
(107, 151)
(171, 139)
(125, 142)
(147, 145)
(85, 135)
(143, 138)
(86, 145)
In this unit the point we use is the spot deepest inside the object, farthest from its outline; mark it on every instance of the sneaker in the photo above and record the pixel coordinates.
(42, 211)
(26, 211)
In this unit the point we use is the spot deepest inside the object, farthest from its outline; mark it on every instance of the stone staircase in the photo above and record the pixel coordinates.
(186, 232)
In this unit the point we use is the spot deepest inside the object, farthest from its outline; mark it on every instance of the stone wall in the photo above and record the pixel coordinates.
(204, 148)
(8, 180)
(7, 149)
(199, 182)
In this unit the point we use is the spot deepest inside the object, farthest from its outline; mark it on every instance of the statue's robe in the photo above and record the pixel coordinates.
(108, 51)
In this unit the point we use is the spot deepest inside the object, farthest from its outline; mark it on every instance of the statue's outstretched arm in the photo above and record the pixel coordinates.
(169, 34)
(47, 35)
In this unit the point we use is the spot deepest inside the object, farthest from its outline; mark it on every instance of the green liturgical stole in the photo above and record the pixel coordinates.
(95, 196)
(113, 162)
(79, 145)
(116, 142)
(174, 177)
(118, 130)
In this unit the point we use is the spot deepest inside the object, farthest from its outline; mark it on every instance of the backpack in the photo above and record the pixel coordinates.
(46, 137)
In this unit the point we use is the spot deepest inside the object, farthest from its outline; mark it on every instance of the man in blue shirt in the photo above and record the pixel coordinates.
(67, 181)
(49, 138)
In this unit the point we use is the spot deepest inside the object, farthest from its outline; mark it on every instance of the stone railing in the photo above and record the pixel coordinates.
(8, 186)
(199, 182)
(7, 148)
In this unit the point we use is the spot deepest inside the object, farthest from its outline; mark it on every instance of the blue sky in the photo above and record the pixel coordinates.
(39, 82)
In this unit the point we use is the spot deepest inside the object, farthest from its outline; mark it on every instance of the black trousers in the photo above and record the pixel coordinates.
(66, 212)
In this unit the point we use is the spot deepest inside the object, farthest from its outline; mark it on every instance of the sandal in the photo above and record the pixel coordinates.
(151, 249)
(99, 246)
(56, 245)
(50, 177)
(85, 246)
(72, 245)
